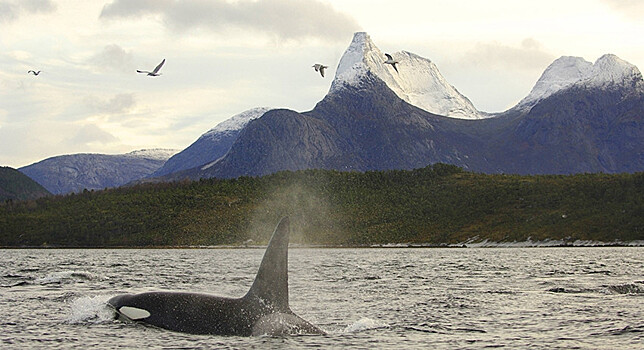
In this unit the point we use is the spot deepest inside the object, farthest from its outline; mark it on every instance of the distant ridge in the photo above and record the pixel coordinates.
(77, 172)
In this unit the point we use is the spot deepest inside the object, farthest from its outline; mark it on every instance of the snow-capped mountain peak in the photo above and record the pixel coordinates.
(560, 74)
(568, 71)
(417, 80)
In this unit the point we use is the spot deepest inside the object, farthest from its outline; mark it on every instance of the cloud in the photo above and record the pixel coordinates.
(528, 56)
(8, 11)
(113, 57)
(119, 104)
(92, 134)
(12, 10)
(285, 19)
(632, 9)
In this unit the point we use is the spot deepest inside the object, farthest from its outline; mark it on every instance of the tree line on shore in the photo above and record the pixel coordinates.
(436, 205)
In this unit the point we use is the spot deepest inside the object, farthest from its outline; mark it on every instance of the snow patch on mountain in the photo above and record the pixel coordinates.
(211, 145)
(566, 72)
(153, 153)
(612, 70)
(237, 122)
(417, 81)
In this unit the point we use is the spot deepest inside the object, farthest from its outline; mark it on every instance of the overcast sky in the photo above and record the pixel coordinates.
(223, 57)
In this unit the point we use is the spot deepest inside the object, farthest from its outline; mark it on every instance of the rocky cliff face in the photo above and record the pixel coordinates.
(361, 127)
(575, 131)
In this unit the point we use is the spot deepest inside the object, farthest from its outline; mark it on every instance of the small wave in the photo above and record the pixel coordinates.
(420, 329)
(626, 289)
(364, 324)
(90, 310)
(501, 292)
(470, 330)
(360, 278)
(30, 269)
(629, 288)
(65, 277)
(569, 290)
(628, 329)
(17, 284)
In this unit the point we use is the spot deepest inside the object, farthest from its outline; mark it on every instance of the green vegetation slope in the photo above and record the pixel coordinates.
(433, 205)
(15, 185)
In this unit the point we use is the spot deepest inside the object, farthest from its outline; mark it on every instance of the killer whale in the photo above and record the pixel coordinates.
(264, 310)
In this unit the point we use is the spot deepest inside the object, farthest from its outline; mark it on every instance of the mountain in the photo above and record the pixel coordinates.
(15, 185)
(579, 117)
(590, 119)
(212, 145)
(358, 128)
(418, 82)
(76, 172)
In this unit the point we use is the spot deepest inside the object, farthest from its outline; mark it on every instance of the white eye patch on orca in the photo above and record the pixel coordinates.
(134, 313)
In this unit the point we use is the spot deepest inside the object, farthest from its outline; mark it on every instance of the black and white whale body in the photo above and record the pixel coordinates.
(264, 310)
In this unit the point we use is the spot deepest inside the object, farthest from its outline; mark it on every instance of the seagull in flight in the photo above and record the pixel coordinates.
(320, 68)
(155, 72)
(390, 60)
(33, 72)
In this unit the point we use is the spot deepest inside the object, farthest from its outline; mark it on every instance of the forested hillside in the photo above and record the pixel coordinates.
(15, 185)
(433, 205)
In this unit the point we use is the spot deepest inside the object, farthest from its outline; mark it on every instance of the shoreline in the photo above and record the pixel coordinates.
(464, 245)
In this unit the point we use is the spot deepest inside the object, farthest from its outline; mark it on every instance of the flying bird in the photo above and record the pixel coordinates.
(320, 68)
(155, 72)
(390, 60)
(33, 72)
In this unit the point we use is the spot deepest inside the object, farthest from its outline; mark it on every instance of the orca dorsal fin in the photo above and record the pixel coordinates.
(271, 282)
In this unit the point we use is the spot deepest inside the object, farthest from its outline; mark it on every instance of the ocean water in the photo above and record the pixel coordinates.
(458, 298)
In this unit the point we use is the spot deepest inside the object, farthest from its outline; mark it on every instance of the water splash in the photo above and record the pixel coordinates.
(90, 310)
